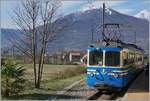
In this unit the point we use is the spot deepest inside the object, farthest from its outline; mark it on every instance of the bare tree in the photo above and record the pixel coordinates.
(26, 19)
(48, 13)
(38, 25)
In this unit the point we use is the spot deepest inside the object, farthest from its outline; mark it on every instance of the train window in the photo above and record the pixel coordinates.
(96, 58)
(140, 58)
(112, 59)
(130, 59)
(136, 58)
(125, 58)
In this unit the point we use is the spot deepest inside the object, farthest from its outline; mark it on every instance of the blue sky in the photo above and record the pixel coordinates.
(130, 7)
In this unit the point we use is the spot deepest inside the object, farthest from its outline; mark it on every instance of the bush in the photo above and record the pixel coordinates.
(12, 78)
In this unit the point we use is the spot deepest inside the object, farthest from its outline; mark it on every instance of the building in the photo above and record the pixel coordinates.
(75, 56)
(67, 57)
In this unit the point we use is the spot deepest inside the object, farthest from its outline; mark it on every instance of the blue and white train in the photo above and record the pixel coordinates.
(113, 65)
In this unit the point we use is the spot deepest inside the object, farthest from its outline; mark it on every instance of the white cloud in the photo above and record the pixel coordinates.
(98, 4)
(87, 5)
(143, 14)
(109, 4)
(124, 10)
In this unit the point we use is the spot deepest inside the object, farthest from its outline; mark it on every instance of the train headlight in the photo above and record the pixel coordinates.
(89, 72)
(114, 74)
(92, 72)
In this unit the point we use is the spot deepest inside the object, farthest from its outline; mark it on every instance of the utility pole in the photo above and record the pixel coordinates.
(135, 38)
(13, 52)
(92, 32)
(103, 32)
(92, 37)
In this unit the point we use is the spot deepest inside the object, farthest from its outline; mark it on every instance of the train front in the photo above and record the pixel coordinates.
(103, 68)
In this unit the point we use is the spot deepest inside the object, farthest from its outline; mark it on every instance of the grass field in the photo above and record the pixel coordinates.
(53, 72)
(55, 78)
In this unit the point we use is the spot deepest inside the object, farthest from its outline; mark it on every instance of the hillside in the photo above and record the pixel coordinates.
(79, 37)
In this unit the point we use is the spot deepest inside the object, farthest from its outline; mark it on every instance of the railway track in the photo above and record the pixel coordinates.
(111, 95)
(81, 91)
(106, 95)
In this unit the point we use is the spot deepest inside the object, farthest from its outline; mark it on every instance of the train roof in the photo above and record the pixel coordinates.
(105, 48)
(116, 44)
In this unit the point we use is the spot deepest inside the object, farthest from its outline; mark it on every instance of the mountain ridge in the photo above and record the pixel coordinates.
(79, 34)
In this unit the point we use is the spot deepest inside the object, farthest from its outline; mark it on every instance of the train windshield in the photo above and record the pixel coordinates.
(112, 59)
(96, 58)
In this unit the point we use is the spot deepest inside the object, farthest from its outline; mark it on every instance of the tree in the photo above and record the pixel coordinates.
(12, 78)
(38, 25)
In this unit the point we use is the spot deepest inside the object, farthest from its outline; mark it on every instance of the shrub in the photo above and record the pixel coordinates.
(12, 78)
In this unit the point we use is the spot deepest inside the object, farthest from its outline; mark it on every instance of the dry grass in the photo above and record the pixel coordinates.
(55, 77)
(53, 72)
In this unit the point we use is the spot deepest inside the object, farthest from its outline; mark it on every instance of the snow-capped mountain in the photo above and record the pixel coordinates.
(79, 36)
(144, 14)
